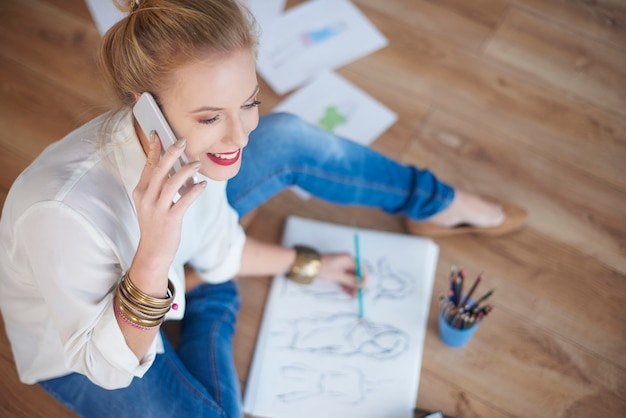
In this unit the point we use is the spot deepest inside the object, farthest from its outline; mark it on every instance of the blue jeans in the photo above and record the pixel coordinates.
(199, 379)
(285, 151)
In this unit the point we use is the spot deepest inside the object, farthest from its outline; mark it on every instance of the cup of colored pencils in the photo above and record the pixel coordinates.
(460, 314)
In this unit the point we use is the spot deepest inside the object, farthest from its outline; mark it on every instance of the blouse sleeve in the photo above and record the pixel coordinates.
(76, 269)
(217, 255)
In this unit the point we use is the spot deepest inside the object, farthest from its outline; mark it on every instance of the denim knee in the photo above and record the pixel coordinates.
(214, 300)
(285, 124)
(288, 132)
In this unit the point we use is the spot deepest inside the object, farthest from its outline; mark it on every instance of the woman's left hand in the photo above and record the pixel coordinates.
(341, 268)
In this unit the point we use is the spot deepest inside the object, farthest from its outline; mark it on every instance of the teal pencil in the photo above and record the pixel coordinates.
(359, 277)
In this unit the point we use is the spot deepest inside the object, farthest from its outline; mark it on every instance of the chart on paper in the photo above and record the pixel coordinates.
(315, 356)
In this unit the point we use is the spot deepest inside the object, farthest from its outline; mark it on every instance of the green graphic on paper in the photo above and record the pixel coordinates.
(331, 119)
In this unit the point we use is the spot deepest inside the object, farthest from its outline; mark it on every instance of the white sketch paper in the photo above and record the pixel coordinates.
(265, 12)
(338, 106)
(312, 37)
(314, 356)
(104, 14)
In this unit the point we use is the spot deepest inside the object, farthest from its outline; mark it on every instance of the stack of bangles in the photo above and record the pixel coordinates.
(138, 309)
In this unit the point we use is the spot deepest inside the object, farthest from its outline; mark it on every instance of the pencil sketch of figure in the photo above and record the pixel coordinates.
(384, 282)
(344, 334)
(391, 283)
(300, 382)
(289, 48)
(327, 291)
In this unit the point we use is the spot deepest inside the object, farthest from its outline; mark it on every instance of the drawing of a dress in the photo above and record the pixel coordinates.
(345, 335)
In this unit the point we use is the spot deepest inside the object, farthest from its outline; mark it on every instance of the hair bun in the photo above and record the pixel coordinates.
(127, 6)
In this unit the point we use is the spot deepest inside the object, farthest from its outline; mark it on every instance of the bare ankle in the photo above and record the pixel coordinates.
(468, 208)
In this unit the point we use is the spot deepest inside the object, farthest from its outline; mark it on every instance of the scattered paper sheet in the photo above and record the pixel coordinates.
(315, 358)
(265, 12)
(333, 103)
(104, 14)
(314, 36)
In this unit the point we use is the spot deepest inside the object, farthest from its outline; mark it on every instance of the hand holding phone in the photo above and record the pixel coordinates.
(150, 118)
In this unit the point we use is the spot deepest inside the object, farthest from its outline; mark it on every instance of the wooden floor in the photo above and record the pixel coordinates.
(524, 100)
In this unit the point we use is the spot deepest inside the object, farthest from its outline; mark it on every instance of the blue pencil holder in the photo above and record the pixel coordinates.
(454, 337)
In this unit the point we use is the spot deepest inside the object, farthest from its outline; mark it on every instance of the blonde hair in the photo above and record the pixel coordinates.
(140, 52)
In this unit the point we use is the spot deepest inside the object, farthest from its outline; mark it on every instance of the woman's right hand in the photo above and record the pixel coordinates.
(160, 220)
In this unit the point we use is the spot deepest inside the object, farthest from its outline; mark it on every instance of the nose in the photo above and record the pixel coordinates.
(237, 134)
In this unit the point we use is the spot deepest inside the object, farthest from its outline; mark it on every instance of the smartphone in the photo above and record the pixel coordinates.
(150, 118)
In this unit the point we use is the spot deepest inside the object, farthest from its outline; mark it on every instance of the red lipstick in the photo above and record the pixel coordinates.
(226, 158)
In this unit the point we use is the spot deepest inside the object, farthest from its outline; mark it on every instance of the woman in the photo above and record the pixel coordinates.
(93, 248)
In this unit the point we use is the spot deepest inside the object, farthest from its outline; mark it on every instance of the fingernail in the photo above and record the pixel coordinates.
(151, 137)
(181, 143)
(196, 164)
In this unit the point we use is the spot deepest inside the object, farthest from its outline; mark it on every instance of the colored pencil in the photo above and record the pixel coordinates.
(482, 299)
(469, 294)
(359, 276)
(456, 309)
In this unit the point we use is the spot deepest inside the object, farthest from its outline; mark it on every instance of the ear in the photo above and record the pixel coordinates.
(137, 96)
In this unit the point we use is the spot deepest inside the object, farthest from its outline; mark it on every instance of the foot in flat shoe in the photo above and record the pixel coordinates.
(471, 214)
(469, 209)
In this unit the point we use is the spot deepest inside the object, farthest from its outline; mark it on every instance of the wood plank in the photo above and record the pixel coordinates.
(604, 20)
(472, 155)
(487, 13)
(436, 19)
(12, 165)
(76, 8)
(438, 392)
(57, 46)
(35, 112)
(578, 299)
(467, 85)
(3, 198)
(579, 65)
(564, 378)
(411, 113)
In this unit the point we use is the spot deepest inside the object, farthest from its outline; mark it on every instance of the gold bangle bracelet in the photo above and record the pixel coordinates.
(140, 309)
(145, 299)
(149, 310)
(139, 321)
(119, 314)
(136, 311)
(130, 311)
(306, 266)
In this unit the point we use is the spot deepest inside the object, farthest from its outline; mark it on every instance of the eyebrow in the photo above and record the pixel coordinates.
(211, 108)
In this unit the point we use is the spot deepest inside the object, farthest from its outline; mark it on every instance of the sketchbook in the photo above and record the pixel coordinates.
(314, 357)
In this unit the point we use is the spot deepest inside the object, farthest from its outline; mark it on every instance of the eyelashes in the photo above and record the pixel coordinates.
(251, 105)
(248, 106)
(209, 121)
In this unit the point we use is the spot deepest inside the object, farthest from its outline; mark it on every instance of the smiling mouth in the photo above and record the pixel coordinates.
(228, 158)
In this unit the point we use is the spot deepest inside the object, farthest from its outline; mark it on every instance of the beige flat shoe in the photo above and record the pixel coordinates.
(515, 219)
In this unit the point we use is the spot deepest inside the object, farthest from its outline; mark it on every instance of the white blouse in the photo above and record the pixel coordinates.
(69, 230)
